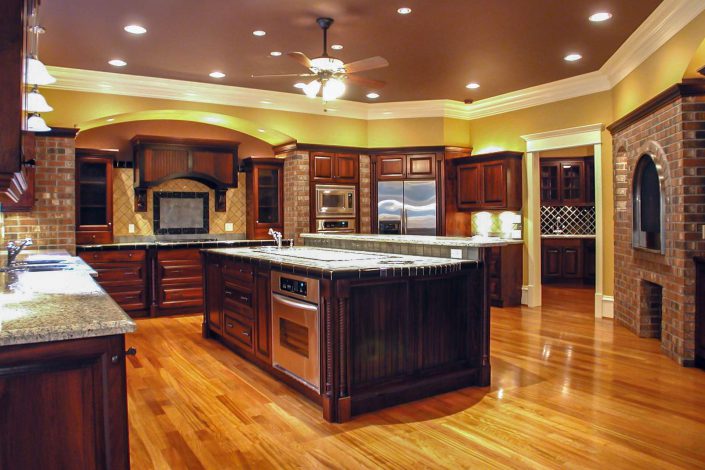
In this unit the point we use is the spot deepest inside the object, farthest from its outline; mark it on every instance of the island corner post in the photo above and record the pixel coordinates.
(384, 339)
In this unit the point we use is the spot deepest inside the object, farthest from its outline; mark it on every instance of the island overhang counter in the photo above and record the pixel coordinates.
(390, 328)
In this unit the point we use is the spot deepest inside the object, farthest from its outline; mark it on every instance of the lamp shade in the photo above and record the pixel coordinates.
(311, 89)
(37, 73)
(35, 123)
(333, 89)
(35, 103)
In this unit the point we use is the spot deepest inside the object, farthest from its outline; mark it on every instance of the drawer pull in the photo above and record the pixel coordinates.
(246, 333)
(244, 298)
(229, 325)
(229, 293)
(130, 352)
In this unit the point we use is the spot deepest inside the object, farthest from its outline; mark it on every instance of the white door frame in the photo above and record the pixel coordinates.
(553, 140)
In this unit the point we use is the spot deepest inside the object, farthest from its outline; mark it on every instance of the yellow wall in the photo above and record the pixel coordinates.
(662, 69)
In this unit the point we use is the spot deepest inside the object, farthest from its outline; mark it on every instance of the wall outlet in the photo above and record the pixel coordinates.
(456, 253)
(131, 228)
(229, 227)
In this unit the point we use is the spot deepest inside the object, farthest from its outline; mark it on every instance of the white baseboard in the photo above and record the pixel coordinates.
(607, 306)
(531, 296)
(524, 295)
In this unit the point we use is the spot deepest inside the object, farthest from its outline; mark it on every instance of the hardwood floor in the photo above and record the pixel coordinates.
(567, 391)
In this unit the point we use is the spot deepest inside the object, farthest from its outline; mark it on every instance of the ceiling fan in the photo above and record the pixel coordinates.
(330, 72)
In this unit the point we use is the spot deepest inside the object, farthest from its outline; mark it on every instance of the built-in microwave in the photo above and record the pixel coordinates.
(335, 201)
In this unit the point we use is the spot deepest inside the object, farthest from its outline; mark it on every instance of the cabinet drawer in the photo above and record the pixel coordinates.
(190, 254)
(129, 300)
(112, 256)
(239, 331)
(238, 271)
(93, 238)
(237, 294)
(181, 297)
(181, 272)
(119, 274)
(238, 308)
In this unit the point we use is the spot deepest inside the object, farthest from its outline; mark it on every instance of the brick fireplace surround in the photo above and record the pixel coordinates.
(671, 129)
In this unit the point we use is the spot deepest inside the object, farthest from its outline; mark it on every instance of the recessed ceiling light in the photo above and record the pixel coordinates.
(265, 102)
(260, 130)
(105, 85)
(275, 53)
(212, 119)
(373, 95)
(110, 120)
(472, 85)
(600, 16)
(300, 85)
(135, 29)
(336, 47)
(572, 57)
(404, 10)
(259, 32)
(217, 74)
(117, 63)
(190, 93)
(387, 113)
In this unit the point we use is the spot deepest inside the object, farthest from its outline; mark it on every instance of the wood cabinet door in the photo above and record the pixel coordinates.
(346, 168)
(572, 182)
(264, 316)
(589, 260)
(469, 185)
(64, 405)
(550, 183)
(572, 262)
(391, 167)
(421, 166)
(94, 199)
(494, 185)
(551, 261)
(214, 298)
(322, 166)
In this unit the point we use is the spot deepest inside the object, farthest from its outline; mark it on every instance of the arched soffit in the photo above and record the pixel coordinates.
(254, 129)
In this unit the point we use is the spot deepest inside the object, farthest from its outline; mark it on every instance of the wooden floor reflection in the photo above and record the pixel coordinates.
(567, 391)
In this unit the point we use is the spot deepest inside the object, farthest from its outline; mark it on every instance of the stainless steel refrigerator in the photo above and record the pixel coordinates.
(406, 207)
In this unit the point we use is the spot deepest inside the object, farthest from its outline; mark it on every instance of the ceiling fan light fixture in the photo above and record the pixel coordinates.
(333, 89)
(300, 85)
(35, 103)
(327, 64)
(312, 88)
(372, 95)
(37, 73)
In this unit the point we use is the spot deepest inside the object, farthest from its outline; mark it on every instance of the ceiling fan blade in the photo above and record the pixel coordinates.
(366, 82)
(370, 63)
(301, 58)
(284, 75)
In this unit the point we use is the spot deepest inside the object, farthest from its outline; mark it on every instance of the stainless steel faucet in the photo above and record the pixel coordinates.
(277, 237)
(14, 249)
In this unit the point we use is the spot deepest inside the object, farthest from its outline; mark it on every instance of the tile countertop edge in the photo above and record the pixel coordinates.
(466, 242)
(560, 236)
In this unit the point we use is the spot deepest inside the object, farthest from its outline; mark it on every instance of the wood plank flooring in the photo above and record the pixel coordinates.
(568, 391)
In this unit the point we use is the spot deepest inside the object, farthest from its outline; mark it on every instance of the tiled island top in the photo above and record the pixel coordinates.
(468, 242)
(174, 244)
(37, 307)
(335, 264)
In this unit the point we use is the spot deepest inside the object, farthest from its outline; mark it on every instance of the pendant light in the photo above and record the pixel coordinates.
(36, 123)
(37, 73)
(35, 102)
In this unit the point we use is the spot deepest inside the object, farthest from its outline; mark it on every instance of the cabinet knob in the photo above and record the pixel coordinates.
(130, 352)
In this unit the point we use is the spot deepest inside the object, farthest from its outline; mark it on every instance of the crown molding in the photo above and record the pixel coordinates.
(663, 23)
(590, 134)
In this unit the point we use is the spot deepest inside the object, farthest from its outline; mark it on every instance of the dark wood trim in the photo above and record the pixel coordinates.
(292, 146)
(184, 142)
(688, 87)
(86, 152)
(284, 148)
(59, 132)
(488, 157)
(701, 70)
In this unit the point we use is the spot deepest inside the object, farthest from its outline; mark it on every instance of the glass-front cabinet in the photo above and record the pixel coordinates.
(264, 196)
(567, 182)
(94, 196)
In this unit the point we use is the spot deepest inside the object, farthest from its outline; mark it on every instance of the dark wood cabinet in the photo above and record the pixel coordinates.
(14, 32)
(336, 168)
(488, 182)
(264, 197)
(505, 275)
(159, 159)
(63, 404)
(94, 196)
(407, 166)
(178, 282)
(263, 311)
(212, 289)
(700, 312)
(567, 182)
(567, 260)
(124, 275)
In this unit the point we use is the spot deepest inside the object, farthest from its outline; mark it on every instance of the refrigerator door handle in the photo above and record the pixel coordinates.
(404, 220)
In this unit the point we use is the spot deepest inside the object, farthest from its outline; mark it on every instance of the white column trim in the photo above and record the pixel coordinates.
(532, 230)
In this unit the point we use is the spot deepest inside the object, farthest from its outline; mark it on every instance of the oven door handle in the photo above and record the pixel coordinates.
(293, 303)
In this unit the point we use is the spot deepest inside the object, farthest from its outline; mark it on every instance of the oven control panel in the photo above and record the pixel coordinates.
(294, 286)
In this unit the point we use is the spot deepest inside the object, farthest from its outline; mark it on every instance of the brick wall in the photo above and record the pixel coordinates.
(674, 135)
(296, 194)
(365, 194)
(51, 223)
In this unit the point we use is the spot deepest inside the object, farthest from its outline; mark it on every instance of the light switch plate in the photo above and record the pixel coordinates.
(456, 253)
(229, 227)
(131, 228)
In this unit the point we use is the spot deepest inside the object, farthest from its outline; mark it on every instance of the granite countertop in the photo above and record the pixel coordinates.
(469, 242)
(38, 307)
(566, 235)
(335, 264)
(177, 244)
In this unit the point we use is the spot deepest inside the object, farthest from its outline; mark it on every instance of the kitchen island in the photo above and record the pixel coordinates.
(386, 328)
(63, 398)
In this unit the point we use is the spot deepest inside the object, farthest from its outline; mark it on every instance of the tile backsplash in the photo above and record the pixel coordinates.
(571, 220)
(124, 205)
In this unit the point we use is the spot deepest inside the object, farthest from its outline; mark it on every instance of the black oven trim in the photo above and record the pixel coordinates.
(158, 195)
